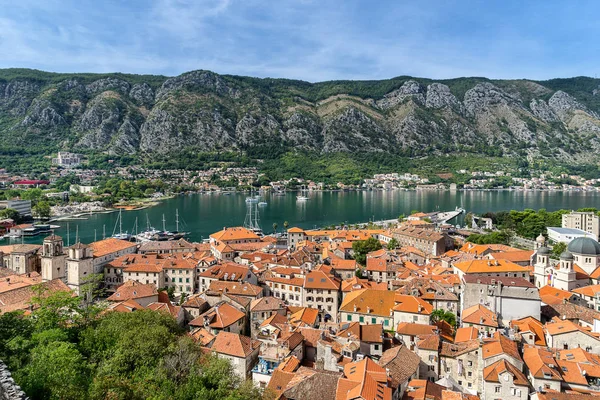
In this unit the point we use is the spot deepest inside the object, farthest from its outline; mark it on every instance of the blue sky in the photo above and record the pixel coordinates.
(304, 39)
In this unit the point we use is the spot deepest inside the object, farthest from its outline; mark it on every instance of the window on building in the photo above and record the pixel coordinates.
(361, 319)
(373, 320)
(349, 317)
(497, 389)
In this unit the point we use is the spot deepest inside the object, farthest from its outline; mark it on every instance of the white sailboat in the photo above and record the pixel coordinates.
(302, 197)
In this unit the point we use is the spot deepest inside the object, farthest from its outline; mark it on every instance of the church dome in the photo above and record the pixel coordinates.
(585, 246)
(566, 256)
(543, 251)
(540, 239)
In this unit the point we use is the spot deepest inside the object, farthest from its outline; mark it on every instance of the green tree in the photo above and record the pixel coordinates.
(42, 209)
(275, 227)
(286, 225)
(558, 249)
(363, 247)
(443, 315)
(10, 213)
(401, 217)
(56, 370)
(393, 244)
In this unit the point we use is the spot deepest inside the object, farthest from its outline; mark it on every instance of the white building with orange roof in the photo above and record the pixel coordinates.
(568, 335)
(510, 298)
(411, 309)
(221, 317)
(241, 352)
(480, 317)
(289, 288)
(502, 380)
(485, 267)
(322, 291)
(106, 250)
(369, 306)
(227, 271)
(590, 296)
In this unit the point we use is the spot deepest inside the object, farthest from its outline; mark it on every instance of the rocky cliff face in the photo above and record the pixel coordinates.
(204, 111)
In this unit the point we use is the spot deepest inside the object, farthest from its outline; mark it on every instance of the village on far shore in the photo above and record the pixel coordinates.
(408, 311)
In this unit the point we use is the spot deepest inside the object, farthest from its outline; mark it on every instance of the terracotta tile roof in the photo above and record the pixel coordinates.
(107, 246)
(492, 373)
(202, 336)
(450, 395)
(20, 248)
(479, 249)
(309, 384)
(290, 364)
(219, 317)
(311, 335)
(13, 281)
(343, 265)
(168, 308)
(365, 333)
(402, 364)
(267, 304)
(591, 290)
(295, 230)
(500, 345)
(514, 256)
(127, 306)
(226, 271)
(20, 299)
(456, 349)
(305, 315)
(234, 344)
(466, 334)
(237, 233)
(419, 233)
(489, 266)
(279, 381)
(412, 305)
(412, 329)
(376, 264)
(551, 295)
(571, 372)
(134, 290)
(530, 324)
(235, 288)
(429, 342)
(479, 315)
(560, 327)
(539, 360)
(195, 301)
(320, 280)
(378, 302)
(344, 387)
(551, 395)
(274, 320)
(571, 311)
(356, 283)
(421, 389)
(490, 280)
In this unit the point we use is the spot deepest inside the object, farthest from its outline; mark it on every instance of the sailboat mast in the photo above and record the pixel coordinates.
(103, 232)
(176, 220)
(68, 235)
(164, 226)
(121, 222)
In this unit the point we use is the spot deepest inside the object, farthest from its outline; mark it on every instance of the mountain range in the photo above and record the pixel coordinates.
(204, 111)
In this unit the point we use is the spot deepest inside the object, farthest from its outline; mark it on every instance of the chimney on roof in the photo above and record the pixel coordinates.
(355, 308)
(480, 320)
(368, 310)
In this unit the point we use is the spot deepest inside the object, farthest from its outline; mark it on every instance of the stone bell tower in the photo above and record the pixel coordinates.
(53, 259)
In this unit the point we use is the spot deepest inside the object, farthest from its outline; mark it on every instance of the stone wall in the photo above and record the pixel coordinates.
(9, 390)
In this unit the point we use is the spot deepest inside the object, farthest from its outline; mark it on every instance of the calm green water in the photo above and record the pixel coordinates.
(202, 215)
